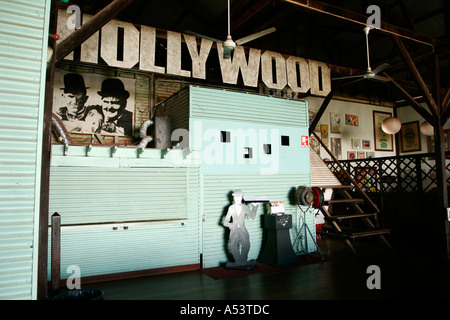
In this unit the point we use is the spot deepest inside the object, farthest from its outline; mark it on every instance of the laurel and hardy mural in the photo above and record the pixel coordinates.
(90, 103)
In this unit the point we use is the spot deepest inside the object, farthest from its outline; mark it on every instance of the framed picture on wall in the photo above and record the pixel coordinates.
(351, 120)
(314, 144)
(446, 141)
(356, 143)
(382, 140)
(351, 155)
(366, 144)
(312, 114)
(335, 122)
(324, 134)
(336, 147)
(410, 137)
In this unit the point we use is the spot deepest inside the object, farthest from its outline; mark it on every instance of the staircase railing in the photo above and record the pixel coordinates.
(348, 176)
(411, 173)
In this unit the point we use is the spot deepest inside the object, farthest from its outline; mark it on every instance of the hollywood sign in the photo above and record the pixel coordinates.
(139, 48)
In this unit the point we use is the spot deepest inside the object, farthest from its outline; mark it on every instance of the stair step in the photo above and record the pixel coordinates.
(344, 201)
(358, 234)
(351, 216)
(335, 187)
(374, 232)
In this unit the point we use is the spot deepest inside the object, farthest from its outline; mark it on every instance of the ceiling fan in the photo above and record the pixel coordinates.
(369, 74)
(229, 45)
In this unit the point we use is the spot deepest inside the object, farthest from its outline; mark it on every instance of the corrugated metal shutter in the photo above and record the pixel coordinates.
(206, 103)
(128, 214)
(219, 104)
(23, 43)
(126, 247)
(86, 195)
(216, 200)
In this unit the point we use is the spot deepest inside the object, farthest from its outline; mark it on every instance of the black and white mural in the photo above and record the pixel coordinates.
(90, 103)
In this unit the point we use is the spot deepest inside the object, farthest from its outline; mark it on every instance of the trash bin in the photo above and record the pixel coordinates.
(80, 294)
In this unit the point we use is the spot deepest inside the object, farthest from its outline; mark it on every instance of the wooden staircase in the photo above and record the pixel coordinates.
(346, 219)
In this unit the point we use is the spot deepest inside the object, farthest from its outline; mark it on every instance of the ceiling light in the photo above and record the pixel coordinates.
(426, 128)
(391, 125)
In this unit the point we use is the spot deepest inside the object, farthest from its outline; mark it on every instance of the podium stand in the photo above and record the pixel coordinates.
(277, 249)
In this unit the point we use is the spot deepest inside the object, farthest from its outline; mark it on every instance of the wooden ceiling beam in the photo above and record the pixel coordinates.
(407, 16)
(446, 107)
(189, 9)
(361, 19)
(418, 78)
(94, 24)
(321, 110)
(327, 101)
(250, 12)
(414, 104)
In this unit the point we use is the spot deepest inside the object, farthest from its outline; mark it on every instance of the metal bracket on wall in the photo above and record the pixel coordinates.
(164, 152)
(113, 151)
(66, 149)
(88, 150)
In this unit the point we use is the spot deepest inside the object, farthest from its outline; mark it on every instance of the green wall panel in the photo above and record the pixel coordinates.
(126, 247)
(208, 103)
(219, 156)
(156, 198)
(23, 51)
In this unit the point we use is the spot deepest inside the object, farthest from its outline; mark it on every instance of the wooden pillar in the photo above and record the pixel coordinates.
(439, 117)
(442, 193)
(45, 166)
(59, 52)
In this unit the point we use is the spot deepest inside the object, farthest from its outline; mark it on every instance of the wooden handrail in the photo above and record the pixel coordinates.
(365, 196)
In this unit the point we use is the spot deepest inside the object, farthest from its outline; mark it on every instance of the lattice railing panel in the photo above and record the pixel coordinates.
(415, 173)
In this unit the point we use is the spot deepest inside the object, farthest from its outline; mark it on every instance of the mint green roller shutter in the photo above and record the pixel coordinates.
(23, 56)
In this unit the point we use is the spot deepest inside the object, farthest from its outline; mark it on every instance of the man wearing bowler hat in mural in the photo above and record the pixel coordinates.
(76, 116)
(74, 96)
(117, 119)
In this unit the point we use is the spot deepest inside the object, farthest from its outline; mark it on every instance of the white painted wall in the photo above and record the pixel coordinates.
(363, 131)
(408, 114)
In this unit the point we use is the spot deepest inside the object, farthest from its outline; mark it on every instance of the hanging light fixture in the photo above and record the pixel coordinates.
(391, 125)
(426, 128)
